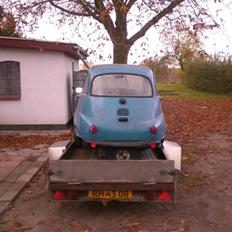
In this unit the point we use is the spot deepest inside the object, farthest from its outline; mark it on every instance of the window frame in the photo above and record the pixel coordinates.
(12, 96)
(94, 95)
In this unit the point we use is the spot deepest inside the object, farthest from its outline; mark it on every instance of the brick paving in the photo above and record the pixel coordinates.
(17, 168)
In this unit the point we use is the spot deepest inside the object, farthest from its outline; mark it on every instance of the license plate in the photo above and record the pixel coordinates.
(109, 194)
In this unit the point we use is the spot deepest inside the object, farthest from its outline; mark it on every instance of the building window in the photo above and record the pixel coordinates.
(10, 88)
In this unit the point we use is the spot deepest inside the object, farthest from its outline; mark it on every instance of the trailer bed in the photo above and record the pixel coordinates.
(80, 174)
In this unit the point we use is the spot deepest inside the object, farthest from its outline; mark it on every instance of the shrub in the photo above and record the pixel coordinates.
(210, 75)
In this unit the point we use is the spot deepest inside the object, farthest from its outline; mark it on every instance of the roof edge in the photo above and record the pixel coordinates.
(71, 49)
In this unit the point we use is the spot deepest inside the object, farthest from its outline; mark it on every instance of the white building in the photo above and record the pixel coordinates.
(36, 83)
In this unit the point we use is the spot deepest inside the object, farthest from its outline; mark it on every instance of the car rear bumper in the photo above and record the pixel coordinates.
(123, 143)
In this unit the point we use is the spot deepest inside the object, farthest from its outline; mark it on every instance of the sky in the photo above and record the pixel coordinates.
(220, 39)
(215, 41)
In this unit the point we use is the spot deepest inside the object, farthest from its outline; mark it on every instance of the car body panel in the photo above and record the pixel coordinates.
(116, 121)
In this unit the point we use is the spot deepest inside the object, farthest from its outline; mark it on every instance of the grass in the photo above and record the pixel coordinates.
(180, 91)
(188, 158)
(192, 180)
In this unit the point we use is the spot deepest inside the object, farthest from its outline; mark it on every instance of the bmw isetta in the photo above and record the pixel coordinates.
(119, 107)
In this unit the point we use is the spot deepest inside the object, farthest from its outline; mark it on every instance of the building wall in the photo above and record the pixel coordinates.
(46, 79)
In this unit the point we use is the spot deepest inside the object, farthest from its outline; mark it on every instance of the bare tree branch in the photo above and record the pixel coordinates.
(69, 11)
(130, 4)
(154, 20)
(104, 17)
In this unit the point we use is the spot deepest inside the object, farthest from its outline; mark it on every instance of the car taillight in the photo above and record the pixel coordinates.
(153, 130)
(153, 145)
(93, 128)
(58, 195)
(93, 145)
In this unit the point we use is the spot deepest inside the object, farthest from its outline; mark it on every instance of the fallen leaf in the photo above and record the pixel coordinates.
(133, 225)
(183, 225)
(76, 224)
(28, 191)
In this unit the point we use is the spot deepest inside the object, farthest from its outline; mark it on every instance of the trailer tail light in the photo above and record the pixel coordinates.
(93, 129)
(65, 195)
(58, 195)
(153, 130)
(165, 196)
(93, 145)
(153, 145)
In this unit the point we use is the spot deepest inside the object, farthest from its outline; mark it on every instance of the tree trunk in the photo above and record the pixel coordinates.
(181, 62)
(121, 52)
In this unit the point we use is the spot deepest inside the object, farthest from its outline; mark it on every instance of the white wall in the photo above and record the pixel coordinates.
(45, 78)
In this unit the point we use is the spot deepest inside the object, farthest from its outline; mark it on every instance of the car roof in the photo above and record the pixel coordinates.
(120, 68)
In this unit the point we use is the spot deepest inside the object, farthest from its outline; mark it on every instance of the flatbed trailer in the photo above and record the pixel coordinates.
(77, 174)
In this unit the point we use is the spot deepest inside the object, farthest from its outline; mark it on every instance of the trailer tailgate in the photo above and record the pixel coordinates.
(74, 174)
(111, 171)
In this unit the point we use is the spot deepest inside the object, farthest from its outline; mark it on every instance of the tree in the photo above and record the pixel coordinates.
(8, 24)
(160, 66)
(125, 21)
(183, 43)
(213, 74)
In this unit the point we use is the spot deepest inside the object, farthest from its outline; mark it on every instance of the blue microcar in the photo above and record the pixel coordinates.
(119, 106)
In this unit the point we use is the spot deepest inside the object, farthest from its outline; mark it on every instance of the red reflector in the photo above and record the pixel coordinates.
(93, 145)
(153, 130)
(164, 196)
(58, 195)
(153, 145)
(93, 129)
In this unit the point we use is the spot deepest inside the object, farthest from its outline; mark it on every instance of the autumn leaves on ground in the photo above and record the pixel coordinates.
(204, 130)
(186, 120)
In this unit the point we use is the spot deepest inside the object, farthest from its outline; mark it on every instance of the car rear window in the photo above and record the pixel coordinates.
(126, 85)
